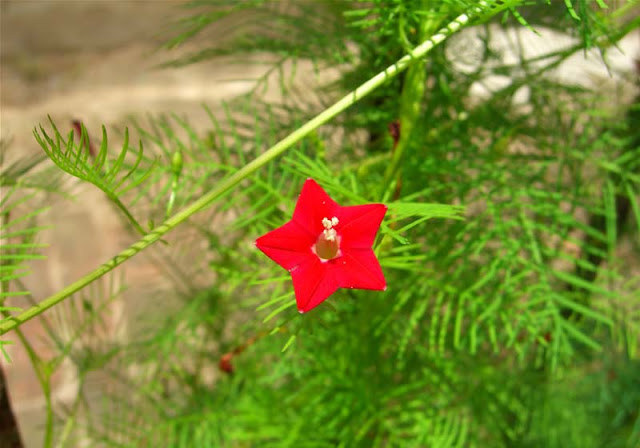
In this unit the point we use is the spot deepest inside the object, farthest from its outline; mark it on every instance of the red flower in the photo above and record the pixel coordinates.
(326, 246)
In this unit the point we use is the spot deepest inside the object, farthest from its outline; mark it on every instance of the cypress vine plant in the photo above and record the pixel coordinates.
(495, 305)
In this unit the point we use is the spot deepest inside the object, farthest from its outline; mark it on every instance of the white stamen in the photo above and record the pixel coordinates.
(329, 232)
(330, 235)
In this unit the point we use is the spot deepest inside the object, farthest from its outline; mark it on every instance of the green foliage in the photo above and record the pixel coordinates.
(510, 318)
(22, 183)
(570, 406)
(114, 176)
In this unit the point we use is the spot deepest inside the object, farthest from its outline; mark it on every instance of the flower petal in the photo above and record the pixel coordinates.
(313, 205)
(359, 268)
(359, 225)
(289, 245)
(314, 280)
(313, 283)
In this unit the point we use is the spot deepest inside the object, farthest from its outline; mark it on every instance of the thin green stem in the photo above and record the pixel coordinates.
(227, 184)
(43, 372)
(410, 108)
(126, 212)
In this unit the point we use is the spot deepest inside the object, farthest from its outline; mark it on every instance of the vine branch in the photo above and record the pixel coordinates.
(227, 184)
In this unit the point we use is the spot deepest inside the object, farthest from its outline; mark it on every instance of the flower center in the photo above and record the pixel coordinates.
(327, 246)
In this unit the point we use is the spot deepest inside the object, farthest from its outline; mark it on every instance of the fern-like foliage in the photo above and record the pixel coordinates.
(115, 175)
(24, 184)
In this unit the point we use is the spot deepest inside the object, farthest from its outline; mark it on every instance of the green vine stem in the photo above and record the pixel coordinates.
(410, 107)
(227, 184)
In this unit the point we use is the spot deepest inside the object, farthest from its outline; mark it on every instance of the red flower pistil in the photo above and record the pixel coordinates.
(326, 246)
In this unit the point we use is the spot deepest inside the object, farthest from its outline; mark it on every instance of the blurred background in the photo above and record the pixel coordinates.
(97, 62)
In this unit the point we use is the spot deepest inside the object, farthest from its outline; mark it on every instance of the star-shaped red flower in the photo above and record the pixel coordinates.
(326, 246)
